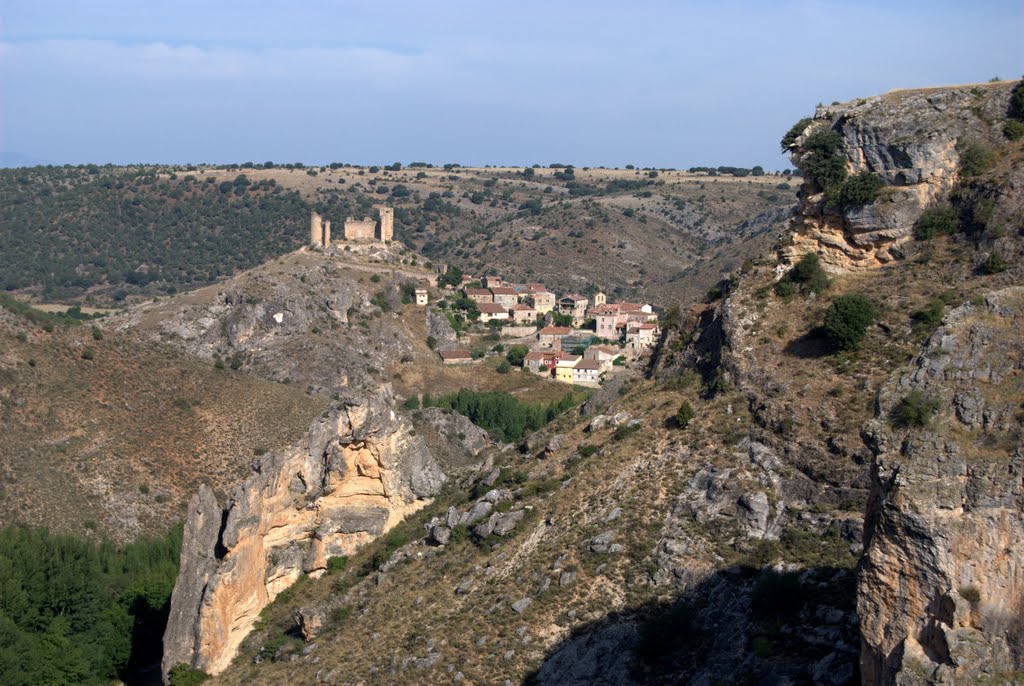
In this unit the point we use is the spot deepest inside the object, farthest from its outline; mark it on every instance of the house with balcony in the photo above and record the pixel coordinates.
(574, 306)
(587, 373)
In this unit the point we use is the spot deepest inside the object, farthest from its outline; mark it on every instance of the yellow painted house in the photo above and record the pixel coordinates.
(565, 366)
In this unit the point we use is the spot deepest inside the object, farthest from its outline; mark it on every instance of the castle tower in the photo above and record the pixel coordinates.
(327, 234)
(387, 224)
(316, 230)
(600, 299)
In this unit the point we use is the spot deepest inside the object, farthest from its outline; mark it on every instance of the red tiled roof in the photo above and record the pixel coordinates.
(455, 354)
(588, 364)
(555, 331)
(478, 291)
(503, 290)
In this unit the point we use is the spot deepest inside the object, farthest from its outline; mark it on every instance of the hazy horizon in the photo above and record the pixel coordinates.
(654, 84)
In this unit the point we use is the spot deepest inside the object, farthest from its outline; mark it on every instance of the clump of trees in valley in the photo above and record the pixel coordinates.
(79, 612)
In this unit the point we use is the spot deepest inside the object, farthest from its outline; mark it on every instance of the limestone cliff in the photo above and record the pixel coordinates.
(941, 588)
(912, 140)
(359, 470)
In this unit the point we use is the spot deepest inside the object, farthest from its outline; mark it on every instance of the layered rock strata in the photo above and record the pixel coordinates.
(912, 139)
(357, 473)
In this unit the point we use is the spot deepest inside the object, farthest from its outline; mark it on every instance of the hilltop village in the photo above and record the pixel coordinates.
(575, 339)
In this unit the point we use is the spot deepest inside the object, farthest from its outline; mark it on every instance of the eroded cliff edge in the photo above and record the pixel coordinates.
(941, 585)
(912, 140)
(359, 470)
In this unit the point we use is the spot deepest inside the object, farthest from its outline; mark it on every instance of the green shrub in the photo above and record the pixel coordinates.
(412, 403)
(822, 162)
(994, 263)
(1013, 129)
(684, 415)
(930, 315)
(914, 410)
(936, 221)
(87, 353)
(1017, 102)
(375, 278)
(785, 288)
(806, 274)
(862, 189)
(847, 321)
(431, 342)
(516, 354)
(975, 158)
(789, 140)
(183, 675)
(625, 430)
(97, 333)
(336, 563)
(587, 450)
(341, 613)
(503, 367)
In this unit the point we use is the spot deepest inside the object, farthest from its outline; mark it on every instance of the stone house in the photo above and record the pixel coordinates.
(492, 282)
(503, 295)
(489, 311)
(523, 314)
(549, 335)
(479, 295)
(604, 355)
(421, 296)
(542, 301)
(641, 336)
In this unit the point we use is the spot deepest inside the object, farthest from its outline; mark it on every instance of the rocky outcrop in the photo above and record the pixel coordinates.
(358, 472)
(908, 138)
(941, 587)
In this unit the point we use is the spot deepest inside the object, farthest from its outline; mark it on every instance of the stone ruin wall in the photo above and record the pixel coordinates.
(360, 229)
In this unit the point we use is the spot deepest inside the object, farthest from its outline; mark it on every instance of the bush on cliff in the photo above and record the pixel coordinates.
(862, 189)
(822, 162)
(936, 221)
(914, 410)
(789, 140)
(807, 275)
(847, 321)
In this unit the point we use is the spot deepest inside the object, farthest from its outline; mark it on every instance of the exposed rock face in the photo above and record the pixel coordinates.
(908, 138)
(941, 589)
(357, 473)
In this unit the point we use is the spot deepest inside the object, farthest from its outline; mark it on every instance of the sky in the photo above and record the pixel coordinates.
(589, 83)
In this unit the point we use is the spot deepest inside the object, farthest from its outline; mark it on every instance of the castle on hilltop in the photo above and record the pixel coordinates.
(365, 229)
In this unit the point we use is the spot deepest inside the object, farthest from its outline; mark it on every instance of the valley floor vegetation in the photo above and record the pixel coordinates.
(74, 611)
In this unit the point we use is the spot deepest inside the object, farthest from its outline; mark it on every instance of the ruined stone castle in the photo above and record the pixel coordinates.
(365, 229)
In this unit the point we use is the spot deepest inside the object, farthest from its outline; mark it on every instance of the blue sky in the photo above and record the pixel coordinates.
(666, 84)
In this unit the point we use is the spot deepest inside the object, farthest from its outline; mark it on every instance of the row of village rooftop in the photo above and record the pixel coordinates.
(565, 353)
